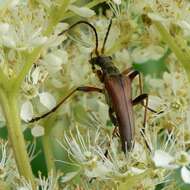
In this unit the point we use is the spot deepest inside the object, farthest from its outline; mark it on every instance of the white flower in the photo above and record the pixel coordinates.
(4, 159)
(118, 2)
(183, 158)
(61, 26)
(47, 100)
(37, 75)
(26, 111)
(164, 160)
(27, 38)
(155, 102)
(82, 11)
(137, 171)
(25, 185)
(151, 52)
(48, 183)
(37, 131)
(69, 176)
(8, 41)
(4, 28)
(185, 174)
(8, 4)
(84, 153)
(46, 3)
(53, 61)
(156, 17)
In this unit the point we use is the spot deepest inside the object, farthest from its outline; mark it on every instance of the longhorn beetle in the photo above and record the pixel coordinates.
(117, 90)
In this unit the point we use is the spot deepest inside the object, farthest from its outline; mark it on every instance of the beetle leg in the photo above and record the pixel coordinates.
(131, 73)
(112, 117)
(127, 71)
(140, 99)
(114, 121)
(137, 100)
(81, 88)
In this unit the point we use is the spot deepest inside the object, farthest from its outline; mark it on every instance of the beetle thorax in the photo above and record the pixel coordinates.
(106, 65)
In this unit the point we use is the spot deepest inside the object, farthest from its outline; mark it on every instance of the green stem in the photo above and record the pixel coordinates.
(3, 78)
(48, 153)
(11, 112)
(182, 54)
(47, 147)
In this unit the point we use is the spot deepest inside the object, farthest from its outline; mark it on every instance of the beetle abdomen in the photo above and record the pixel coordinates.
(119, 91)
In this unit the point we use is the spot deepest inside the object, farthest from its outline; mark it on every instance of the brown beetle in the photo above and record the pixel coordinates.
(117, 89)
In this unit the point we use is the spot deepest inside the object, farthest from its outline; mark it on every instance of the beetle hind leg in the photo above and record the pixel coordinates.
(112, 117)
(114, 121)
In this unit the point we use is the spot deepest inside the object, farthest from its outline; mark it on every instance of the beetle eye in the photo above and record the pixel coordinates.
(91, 61)
(93, 67)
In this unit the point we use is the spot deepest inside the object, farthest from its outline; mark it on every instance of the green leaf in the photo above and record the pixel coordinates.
(179, 182)
(153, 67)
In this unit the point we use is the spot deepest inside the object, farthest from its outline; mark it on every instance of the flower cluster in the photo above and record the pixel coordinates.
(39, 67)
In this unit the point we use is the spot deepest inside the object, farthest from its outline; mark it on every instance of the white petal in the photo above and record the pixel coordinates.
(69, 176)
(154, 102)
(26, 111)
(137, 171)
(36, 75)
(53, 63)
(82, 11)
(14, 3)
(152, 52)
(46, 3)
(8, 41)
(47, 100)
(156, 17)
(4, 27)
(163, 159)
(38, 41)
(118, 2)
(57, 83)
(37, 131)
(61, 26)
(184, 24)
(101, 169)
(185, 175)
(63, 55)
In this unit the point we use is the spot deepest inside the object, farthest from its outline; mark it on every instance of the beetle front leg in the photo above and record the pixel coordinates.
(131, 73)
(81, 88)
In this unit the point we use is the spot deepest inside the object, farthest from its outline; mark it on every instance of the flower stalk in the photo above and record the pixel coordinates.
(46, 141)
(11, 111)
(182, 54)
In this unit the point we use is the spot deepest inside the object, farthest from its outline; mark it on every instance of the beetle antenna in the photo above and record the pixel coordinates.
(91, 26)
(106, 37)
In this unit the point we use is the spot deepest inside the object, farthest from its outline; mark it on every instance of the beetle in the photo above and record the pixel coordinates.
(117, 90)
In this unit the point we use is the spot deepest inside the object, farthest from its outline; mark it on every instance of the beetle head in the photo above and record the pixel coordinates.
(100, 61)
